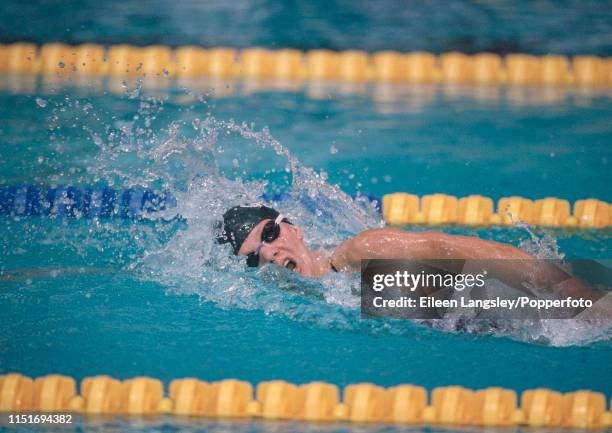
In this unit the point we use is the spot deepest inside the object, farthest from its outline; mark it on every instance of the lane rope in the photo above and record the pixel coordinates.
(397, 208)
(315, 401)
(290, 64)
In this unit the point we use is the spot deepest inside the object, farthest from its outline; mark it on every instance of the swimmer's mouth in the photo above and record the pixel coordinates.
(290, 264)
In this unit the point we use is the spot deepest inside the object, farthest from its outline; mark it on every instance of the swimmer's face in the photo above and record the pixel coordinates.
(287, 251)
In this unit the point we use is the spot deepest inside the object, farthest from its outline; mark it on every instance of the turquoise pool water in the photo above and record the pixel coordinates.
(534, 142)
(84, 296)
(154, 296)
(502, 26)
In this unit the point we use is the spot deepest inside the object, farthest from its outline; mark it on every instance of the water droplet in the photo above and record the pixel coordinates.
(62, 65)
(41, 102)
(387, 179)
(333, 149)
(235, 163)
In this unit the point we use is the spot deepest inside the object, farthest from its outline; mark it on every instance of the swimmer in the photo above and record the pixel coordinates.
(263, 235)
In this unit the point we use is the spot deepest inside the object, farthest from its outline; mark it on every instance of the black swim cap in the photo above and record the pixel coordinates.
(240, 220)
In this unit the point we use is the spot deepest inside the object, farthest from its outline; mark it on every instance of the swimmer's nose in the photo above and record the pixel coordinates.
(268, 252)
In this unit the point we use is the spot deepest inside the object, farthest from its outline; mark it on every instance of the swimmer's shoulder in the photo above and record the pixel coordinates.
(347, 256)
(387, 243)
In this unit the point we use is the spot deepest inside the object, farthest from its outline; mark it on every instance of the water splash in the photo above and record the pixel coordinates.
(192, 262)
(541, 247)
(210, 165)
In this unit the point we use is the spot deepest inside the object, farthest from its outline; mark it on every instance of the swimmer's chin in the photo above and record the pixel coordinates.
(304, 272)
(314, 266)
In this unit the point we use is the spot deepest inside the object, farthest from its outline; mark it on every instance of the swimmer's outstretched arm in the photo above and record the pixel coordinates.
(389, 243)
(510, 264)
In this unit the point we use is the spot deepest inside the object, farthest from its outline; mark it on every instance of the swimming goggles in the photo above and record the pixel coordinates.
(269, 234)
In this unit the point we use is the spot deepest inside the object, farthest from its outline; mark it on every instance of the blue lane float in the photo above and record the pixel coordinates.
(95, 201)
(88, 202)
